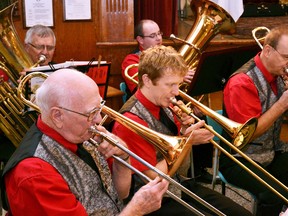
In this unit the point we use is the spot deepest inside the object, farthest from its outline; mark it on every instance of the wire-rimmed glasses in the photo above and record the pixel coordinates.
(91, 115)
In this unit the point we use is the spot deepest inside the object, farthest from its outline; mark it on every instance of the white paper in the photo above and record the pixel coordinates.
(38, 12)
(77, 9)
(65, 65)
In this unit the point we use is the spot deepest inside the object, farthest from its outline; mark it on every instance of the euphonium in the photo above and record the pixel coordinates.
(211, 19)
(13, 59)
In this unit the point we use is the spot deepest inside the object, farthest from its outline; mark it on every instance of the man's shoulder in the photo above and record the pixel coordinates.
(131, 57)
(33, 166)
(239, 82)
(31, 170)
(239, 79)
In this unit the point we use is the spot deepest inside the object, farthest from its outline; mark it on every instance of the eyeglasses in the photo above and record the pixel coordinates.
(91, 115)
(153, 35)
(285, 57)
(42, 47)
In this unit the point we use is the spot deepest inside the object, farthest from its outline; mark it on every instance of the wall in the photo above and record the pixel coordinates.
(109, 33)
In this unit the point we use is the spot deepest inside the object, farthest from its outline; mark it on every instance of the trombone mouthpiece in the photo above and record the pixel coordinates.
(173, 100)
(41, 59)
(172, 36)
(92, 129)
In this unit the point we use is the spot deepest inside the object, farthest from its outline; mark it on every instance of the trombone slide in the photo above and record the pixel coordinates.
(159, 172)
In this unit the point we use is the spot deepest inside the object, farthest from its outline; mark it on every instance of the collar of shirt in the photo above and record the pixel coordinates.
(153, 109)
(268, 76)
(44, 128)
(141, 48)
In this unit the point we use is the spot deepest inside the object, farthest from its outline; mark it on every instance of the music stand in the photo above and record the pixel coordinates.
(215, 67)
(100, 74)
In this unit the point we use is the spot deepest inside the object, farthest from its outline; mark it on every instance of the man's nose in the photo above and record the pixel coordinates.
(97, 119)
(44, 51)
(175, 90)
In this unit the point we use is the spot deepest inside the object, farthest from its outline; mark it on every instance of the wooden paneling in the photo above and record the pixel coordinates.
(112, 24)
(117, 20)
(75, 39)
(109, 34)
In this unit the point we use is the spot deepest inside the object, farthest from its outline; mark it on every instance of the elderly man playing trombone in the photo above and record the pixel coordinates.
(257, 90)
(56, 171)
(161, 70)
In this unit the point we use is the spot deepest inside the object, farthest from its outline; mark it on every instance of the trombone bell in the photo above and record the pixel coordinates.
(240, 133)
(173, 148)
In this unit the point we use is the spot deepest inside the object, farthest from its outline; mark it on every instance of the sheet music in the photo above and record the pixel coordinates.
(66, 65)
(37, 81)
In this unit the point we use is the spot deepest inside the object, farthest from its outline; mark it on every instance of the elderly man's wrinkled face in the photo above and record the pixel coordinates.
(78, 119)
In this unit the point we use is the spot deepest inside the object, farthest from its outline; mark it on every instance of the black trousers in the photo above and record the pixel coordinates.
(268, 202)
(224, 204)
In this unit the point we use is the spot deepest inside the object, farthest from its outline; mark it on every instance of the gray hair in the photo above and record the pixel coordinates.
(40, 31)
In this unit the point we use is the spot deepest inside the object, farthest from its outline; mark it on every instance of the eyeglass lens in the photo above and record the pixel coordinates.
(42, 47)
(154, 35)
(96, 111)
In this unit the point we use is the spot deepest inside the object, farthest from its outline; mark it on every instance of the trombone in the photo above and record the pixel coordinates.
(241, 135)
(258, 39)
(170, 145)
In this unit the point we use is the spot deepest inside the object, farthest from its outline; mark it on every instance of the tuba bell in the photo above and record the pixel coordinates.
(14, 122)
(210, 20)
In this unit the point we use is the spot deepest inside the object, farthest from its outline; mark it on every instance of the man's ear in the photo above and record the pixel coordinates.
(57, 116)
(267, 50)
(146, 80)
(139, 40)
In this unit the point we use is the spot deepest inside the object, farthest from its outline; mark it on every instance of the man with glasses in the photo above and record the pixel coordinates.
(40, 40)
(147, 33)
(56, 171)
(257, 90)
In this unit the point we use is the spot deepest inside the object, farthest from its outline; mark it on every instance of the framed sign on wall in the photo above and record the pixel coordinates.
(77, 10)
(38, 12)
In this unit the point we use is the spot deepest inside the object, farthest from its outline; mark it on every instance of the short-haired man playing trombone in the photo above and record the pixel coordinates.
(55, 171)
(161, 70)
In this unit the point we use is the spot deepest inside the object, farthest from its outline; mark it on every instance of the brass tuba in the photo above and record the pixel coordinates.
(211, 19)
(14, 122)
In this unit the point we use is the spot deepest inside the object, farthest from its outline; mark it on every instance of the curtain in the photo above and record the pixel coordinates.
(163, 12)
